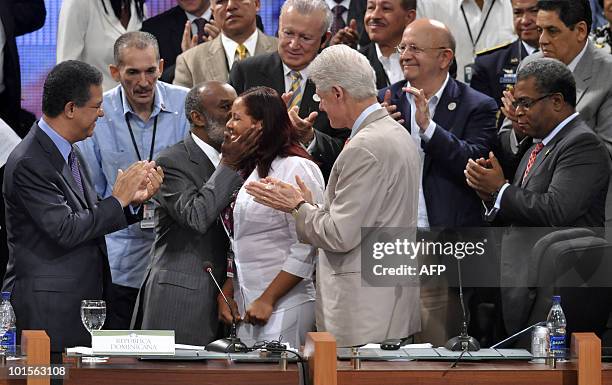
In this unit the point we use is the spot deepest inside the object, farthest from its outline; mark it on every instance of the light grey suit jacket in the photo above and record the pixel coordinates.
(207, 61)
(373, 183)
(177, 294)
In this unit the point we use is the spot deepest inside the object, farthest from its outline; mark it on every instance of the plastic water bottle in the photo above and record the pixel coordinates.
(556, 324)
(8, 341)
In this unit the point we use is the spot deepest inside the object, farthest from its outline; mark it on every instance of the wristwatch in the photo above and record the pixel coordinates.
(295, 210)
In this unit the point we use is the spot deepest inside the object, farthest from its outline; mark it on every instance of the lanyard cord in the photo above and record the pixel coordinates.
(127, 120)
(467, 24)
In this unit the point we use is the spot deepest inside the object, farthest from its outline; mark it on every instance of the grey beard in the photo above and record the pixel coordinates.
(216, 131)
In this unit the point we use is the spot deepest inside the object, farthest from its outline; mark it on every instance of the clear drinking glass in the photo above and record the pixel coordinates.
(93, 315)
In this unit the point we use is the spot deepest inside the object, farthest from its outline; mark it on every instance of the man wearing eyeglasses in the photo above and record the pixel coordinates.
(561, 180)
(450, 123)
(302, 32)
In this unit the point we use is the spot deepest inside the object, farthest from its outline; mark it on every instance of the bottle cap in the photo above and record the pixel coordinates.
(556, 298)
(6, 295)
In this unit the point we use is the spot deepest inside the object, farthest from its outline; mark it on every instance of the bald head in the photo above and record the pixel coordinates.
(436, 31)
(427, 55)
(207, 107)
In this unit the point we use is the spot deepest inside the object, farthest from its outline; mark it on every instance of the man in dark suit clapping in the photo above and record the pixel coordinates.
(55, 222)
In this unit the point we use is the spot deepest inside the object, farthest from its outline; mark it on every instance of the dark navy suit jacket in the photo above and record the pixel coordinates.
(465, 128)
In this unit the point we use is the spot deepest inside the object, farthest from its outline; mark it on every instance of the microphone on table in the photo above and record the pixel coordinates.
(232, 343)
(463, 342)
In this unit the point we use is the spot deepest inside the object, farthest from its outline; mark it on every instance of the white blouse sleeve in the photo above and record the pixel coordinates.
(72, 28)
(301, 259)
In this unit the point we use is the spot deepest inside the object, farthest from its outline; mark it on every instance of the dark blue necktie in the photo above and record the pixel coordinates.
(74, 167)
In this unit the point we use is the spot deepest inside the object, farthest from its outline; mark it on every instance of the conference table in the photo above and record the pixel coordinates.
(585, 368)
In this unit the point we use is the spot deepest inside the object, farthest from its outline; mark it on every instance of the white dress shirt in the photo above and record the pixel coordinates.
(289, 79)
(229, 46)
(87, 33)
(391, 65)
(210, 151)
(265, 241)
(498, 28)
(418, 136)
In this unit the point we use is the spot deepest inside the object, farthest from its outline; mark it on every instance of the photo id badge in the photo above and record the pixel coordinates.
(468, 71)
(148, 211)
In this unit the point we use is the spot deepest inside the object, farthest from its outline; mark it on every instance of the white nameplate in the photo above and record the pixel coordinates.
(133, 342)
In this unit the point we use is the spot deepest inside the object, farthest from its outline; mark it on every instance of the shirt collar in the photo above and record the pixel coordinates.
(62, 144)
(572, 65)
(529, 48)
(230, 45)
(364, 114)
(556, 130)
(303, 71)
(435, 97)
(331, 3)
(382, 57)
(206, 15)
(209, 150)
(158, 101)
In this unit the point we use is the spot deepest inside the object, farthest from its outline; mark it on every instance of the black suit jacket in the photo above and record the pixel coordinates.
(267, 70)
(55, 239)
(369, 51)
(465, 128)
(177, 294)
(566, 187)
(168, 28)
(18, 18)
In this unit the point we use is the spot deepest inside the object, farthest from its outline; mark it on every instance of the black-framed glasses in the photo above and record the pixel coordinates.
(527, 103)
(414, 49)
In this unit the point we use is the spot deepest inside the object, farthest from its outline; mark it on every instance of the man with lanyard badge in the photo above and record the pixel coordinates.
(143, 116)
(476, 25)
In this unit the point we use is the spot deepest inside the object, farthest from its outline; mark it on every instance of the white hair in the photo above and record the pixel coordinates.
(308, 7)
(340, 65)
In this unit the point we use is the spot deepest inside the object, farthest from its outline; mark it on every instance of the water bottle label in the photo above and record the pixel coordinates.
(8, 340)
(557, 346)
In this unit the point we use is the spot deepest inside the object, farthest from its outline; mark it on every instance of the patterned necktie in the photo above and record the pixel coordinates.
(296, 88)
(532, 159)
(338, 22)
(74, 167)
(202, 34)
(241, 52)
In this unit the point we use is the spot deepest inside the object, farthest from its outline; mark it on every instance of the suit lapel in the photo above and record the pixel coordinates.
(218, 62)
(197, 155)
(308, 105)
(546, 151)
(445, 113)
(276, 70)
(583, 73)
(57, 160)
(403, 105)
(264, 43)
(90, 194)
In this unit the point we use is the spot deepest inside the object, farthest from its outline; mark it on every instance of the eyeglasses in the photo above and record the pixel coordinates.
(527, 103)
(414, 49)
(301, 38)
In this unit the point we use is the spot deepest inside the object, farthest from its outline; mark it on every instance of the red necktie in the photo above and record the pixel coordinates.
(532, 159)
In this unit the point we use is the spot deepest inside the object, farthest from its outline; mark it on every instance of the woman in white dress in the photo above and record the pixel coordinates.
(87, 30)
(272, 287)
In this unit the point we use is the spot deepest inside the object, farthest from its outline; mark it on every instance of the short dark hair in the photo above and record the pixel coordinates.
(571, 12)
(136, 39)
(278, 137)
(408, 5)
(193, 102)
(551, 77)
(68, 81)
